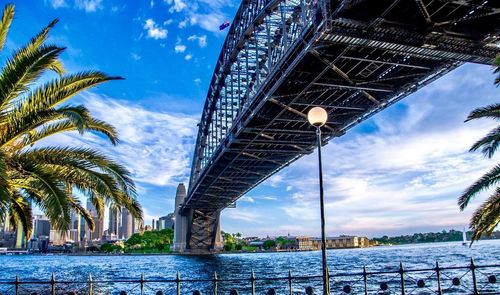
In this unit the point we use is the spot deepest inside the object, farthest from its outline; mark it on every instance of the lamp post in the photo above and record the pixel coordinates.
(317, 116)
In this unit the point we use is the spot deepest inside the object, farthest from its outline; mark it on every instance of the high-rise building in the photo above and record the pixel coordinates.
(165, 222)
(41, 226)
(97, 233)
(127, 228)
(114, 221)
(75, 227)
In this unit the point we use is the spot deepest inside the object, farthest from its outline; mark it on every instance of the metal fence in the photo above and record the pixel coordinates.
(469, 279)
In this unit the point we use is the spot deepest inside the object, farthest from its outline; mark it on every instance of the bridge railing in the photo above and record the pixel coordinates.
(467, 279)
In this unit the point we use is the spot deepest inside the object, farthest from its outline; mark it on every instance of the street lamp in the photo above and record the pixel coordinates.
(317, 116)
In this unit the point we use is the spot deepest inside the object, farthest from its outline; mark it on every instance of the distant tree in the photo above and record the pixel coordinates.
(107, 248)
(150, 240)
(486, 218)
(269, 244)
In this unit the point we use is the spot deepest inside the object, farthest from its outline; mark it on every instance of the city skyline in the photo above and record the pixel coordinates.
(407, 156)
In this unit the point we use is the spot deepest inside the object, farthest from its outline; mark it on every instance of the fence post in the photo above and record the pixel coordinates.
(438, 275)
(178, 281)
(328, 280)
(252, 280)
(90, 284)
(17, 284)
(365, 280)
(290, 281)
(474, 281)
(53, 284)
(401, 272)
(215, 283)
(142, 284)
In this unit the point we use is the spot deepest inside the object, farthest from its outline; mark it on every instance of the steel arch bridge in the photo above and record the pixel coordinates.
(282, 57)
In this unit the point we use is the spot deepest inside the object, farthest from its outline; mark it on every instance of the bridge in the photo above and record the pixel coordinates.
(281, 57)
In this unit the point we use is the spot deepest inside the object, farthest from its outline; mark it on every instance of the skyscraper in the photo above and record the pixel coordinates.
(96, 234)
(127, 224)
(75, 227)
(114, 221)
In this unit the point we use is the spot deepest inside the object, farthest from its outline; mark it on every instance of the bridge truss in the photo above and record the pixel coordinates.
(352, 57)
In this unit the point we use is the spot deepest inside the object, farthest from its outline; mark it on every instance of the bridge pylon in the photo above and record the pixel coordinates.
(195, 231)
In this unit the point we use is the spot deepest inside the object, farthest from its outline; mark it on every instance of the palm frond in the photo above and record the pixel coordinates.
(7, 16)
(59, 90)
(20, 214)
(491, 111)
(54, 155)
(497, 70)
(92, 173)
(24, 124)
(488, 180)
(486, 217)
(489, 143)
(4, 183)
(48, 193)
(80, 210)
(66, 125)
(23, 69)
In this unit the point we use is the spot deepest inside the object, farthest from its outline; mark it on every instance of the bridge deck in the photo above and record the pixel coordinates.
(354, 58)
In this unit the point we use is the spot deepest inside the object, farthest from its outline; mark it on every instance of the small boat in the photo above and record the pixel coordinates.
(464, 238)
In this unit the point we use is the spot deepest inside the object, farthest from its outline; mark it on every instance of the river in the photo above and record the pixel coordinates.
(240, 266)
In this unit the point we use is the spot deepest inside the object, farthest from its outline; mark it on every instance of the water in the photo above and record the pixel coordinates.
(71, 268)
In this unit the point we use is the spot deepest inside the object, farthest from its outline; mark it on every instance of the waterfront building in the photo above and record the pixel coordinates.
(341, 242)
(304, 243)
(127, 228)
(58, 238)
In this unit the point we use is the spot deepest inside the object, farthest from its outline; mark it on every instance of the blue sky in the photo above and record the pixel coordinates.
(399, 172)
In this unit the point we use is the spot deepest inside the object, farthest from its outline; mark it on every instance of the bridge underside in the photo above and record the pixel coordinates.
(353, 58)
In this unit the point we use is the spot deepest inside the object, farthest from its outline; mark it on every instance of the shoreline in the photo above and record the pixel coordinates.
(97, 254)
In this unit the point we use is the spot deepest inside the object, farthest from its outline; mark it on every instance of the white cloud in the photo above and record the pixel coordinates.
(88, 5)
(177, 5)
(151, 3)
(182, 24)
(155, 146)
(202, 40)
(209, 21)
(58, 3)
(242, 214)
(275, 180)
(135, 56)
(168, 22)
(188, 56)
(154, 31)
(197, 81)
(179, 48)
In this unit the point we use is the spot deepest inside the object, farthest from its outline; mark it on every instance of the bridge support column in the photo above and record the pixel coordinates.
(180, 223)
(196, 231)
(203, 234)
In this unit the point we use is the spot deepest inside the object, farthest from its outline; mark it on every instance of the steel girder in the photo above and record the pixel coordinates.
(282, 57)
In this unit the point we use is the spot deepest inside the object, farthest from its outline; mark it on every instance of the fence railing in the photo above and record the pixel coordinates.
(469, 279)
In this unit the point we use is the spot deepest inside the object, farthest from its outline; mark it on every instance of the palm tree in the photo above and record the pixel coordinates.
(29, 113)
(487, 216)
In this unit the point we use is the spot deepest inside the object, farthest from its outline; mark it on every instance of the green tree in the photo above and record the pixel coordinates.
(269, 244)
(31, 112)
(485, 219)
(150, 240)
